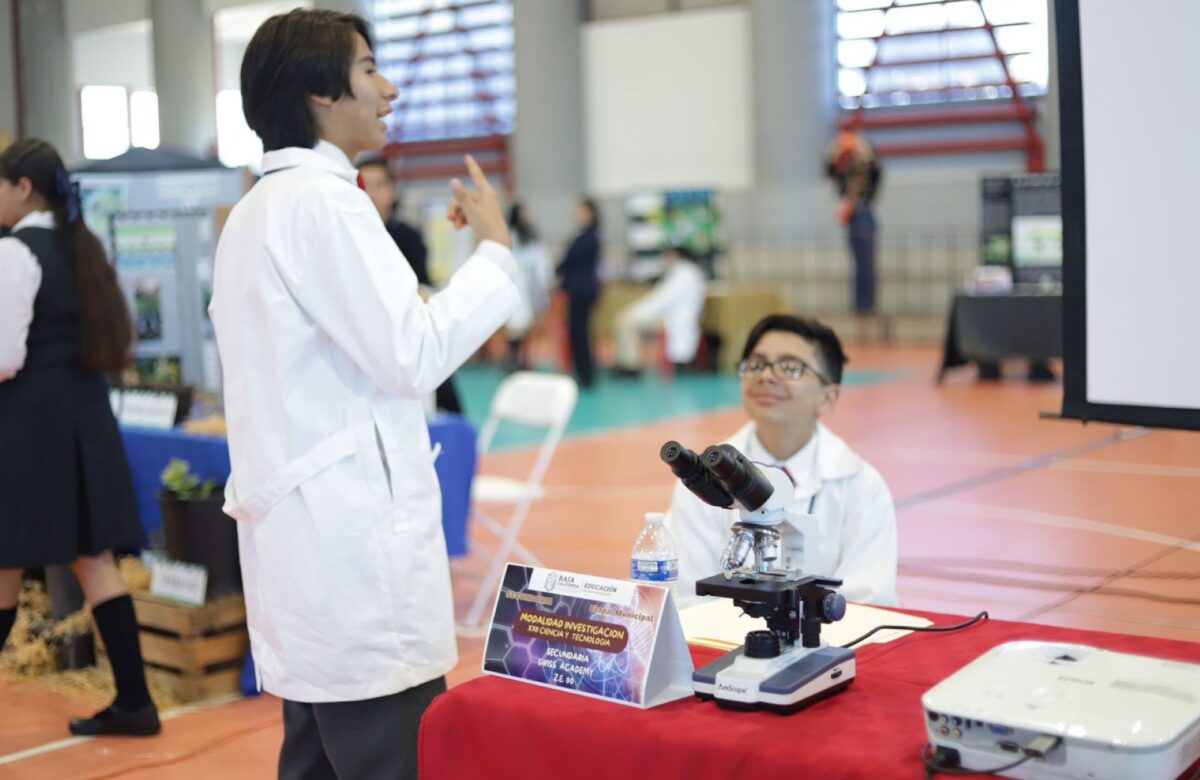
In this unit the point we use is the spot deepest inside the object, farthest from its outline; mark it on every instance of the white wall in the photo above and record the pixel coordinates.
(51, 108)
(8, 80)
(233, 27)
(86, 15)
(791, 83)
(668, 102)
(616, 9)
(118, 56)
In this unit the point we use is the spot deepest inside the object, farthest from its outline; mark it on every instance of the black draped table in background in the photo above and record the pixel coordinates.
(989, 328)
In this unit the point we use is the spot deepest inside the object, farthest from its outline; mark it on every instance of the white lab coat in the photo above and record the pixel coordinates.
(327, 351)
(677, 301)
(853, 521)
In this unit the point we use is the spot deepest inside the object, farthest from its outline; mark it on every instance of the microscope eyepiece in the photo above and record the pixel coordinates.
(688, 467)
(739, 476)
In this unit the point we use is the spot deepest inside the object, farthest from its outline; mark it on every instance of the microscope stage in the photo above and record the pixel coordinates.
(770, 588)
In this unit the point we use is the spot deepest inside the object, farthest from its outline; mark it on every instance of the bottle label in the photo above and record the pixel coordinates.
(655, 571)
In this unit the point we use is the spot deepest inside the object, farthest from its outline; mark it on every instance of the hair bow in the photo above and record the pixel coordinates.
(68, 191)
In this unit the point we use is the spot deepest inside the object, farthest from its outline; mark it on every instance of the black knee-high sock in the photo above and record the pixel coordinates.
(7, 618)
(119, 629)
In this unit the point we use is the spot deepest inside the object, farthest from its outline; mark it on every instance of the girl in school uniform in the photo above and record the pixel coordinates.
(66, 494)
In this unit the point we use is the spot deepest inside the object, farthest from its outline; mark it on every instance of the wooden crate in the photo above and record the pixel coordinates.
(197, 652)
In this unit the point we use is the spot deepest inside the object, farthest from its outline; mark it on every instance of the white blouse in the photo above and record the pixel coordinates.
(20, 278)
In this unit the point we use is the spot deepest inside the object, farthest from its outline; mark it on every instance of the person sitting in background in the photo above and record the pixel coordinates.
(380, 186)
(580, 274)
(674, 305)
(535, 291)
(791, 374)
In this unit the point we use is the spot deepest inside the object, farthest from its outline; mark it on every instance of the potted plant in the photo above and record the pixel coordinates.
(195, 528)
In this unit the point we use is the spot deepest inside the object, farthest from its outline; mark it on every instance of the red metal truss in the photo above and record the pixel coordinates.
(1019, 110)
(442, 158)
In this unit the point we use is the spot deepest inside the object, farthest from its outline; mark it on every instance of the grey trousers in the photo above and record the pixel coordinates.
(355, 740)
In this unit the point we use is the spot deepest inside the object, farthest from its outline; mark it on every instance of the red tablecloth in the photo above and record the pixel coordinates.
(492, 727)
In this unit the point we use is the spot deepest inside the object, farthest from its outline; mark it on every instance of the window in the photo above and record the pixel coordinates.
(911, 52)
(237, 144)
(452, 61)
(113, 120)
(143, 119)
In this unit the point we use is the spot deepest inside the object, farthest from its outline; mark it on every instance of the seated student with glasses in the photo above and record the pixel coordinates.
(791, 374)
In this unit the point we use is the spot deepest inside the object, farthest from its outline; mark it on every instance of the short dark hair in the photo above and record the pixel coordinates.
(590, 204)
(291, 57)
(375, 161)
(829, 346)
(683, 251)
(524, 231)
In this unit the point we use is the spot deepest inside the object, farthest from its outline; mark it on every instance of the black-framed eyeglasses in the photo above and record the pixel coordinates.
(785, 368)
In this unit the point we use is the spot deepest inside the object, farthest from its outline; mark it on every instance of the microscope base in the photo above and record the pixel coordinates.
(783, 684)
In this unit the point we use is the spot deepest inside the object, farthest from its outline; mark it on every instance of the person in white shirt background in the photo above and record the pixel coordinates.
(674, 305)
(536, 282)
(327, 350)
(845, 526)
(66, 493)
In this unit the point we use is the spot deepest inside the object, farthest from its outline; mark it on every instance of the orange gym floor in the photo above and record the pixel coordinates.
(1032, 519)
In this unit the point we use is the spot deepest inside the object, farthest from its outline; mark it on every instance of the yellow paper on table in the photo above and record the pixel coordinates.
(719, 624)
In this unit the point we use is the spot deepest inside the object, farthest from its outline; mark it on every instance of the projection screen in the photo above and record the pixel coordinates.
(1130, 104)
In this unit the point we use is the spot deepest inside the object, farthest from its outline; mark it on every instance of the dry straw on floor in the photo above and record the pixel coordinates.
(31, 654)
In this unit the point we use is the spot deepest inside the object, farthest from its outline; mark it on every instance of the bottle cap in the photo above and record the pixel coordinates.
(655, 517)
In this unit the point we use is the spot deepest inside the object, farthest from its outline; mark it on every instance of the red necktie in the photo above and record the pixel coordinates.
(362, 184)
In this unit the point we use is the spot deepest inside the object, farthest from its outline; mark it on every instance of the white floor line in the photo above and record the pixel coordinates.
(62, 744)
(1133, 469)
(985, 511)
(49, 747)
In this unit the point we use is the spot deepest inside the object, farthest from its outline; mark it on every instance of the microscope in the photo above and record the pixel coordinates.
(786, 667)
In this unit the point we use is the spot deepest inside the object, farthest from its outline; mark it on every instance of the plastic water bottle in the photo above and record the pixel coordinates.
(655, 557)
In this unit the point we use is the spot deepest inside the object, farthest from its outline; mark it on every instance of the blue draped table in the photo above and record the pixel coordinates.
(150, 450)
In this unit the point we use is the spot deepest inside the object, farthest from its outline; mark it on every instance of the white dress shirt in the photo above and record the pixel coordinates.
(677, 301)
(843, 524)
(20, 279)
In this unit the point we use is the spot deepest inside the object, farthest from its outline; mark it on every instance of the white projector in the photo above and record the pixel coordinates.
(1118, 716)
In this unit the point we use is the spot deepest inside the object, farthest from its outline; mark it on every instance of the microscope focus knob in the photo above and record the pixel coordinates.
(762, 644)
(834, 607)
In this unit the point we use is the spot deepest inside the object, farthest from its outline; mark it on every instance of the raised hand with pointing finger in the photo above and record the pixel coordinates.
(479, 209)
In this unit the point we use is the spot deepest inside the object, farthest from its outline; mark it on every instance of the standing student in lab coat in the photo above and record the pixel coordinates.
(327, 350)
(845, 527)
(674, 304)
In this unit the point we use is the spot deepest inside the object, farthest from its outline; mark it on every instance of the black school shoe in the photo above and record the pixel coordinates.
(142, 722)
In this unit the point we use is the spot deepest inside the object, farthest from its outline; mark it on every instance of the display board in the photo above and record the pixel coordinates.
(164, 263)
(1022, 225)
(655, 220)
